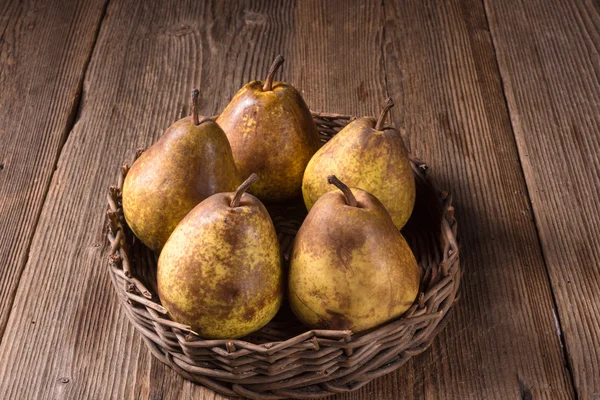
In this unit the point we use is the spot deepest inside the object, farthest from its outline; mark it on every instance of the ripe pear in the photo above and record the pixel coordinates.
(272, 133)
(190, 162)
(220, 271)
(370, 156)
(350, 267)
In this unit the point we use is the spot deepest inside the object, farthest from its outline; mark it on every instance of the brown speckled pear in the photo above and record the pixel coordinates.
(350, 267)
(272, 133)
(220, 271)
(369, 156)
(191, 161)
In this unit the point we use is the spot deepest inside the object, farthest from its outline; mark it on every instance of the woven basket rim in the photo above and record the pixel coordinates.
(171, 341)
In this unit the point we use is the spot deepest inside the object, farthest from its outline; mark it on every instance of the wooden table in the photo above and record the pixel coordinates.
(501, 98)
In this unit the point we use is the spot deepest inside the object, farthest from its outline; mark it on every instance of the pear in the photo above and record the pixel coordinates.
(220, 271)
(190, 162)
(350, 267)
(272, 133)
(370, 156)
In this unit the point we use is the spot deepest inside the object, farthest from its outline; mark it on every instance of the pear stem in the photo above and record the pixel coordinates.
(195, 94)
(389, 103)
(195, 116)
(268, 86)
(252, 179)
(348, 195)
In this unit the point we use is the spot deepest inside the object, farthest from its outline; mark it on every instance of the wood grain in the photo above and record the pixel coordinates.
(501, 342)
(44, 51)
(549, 58)
(338, 63)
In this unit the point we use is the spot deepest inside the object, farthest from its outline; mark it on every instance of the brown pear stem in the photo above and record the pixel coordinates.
(252, 179)
(389, 103)
(348, 195)
(195, 94)
(195, 116)
(268, 86)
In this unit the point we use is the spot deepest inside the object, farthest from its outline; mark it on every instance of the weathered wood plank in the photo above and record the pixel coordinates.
(548, 53)
(44, 51)
(501, 342)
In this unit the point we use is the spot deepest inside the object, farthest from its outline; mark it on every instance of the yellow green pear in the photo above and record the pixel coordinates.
(350, 268)
(366, 155)
(272, 133)
(191, 161)
(220, 271)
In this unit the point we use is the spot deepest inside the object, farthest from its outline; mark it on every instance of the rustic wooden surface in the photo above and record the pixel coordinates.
(502, 98)
(553, 97)
(44, 51)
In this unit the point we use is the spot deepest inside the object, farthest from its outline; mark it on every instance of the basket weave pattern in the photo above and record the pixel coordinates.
(283, 359)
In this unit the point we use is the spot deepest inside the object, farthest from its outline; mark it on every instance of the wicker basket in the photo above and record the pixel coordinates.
(283, 359)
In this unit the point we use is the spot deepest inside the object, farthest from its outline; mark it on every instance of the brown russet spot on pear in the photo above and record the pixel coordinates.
(272, 133)
(350, 267)
(369, 156)
(190, 162)
(220, 271)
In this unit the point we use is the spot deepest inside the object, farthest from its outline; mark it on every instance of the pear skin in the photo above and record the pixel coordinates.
(350, 267)
(368, 156)
(190, 162)
(272, 133)
(220, 271)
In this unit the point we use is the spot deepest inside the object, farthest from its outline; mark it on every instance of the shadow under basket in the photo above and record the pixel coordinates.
(283, 359)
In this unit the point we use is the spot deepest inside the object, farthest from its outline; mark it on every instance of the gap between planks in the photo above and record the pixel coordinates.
(383, 36)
